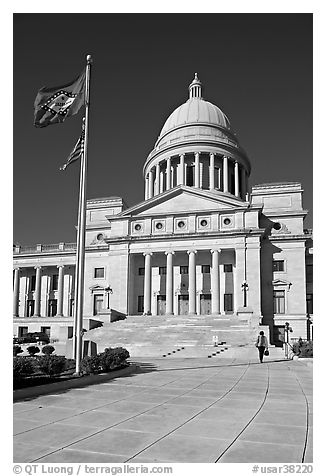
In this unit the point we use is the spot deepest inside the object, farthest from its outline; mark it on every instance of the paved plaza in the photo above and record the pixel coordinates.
(226, 409)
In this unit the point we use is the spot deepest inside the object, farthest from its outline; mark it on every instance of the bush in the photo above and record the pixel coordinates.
(48, 349)
(303, 348)
(112, 358)
(22, 367)
(90, 365)
(33, 349)
(51, 364)
(17, 350)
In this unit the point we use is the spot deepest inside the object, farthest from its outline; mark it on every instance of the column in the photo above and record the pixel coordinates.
(192, 281)
(239, 277)
(37, 294)
(197, 172)
(157, 179)
(182, 169)
(16, 293)
(169, 282)
(161, 182)
(147, 284)
(236, 179)
(211, 171)
(168, 174)
(60, 291)
(146, 187)
(150, 183)
(215, 282)
(225, 175)
(243, 183)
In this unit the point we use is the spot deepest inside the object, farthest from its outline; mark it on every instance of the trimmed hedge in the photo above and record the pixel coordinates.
(51, 364)
(33, 349)
(48, 349)
(17, 350)
(22, 367)
(110, 359)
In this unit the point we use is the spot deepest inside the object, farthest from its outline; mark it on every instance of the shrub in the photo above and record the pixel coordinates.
(90, 365)
(17, 350)
(112, 358)
(303, 349)
(22, 367)
(48, 349)
(33, 349)
(51, 364)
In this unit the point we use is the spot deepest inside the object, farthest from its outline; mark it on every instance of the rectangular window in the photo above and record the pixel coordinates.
(52, 307)
(183, 269)
(309, 301)
(279, 302)
(98, 304)
(228, 302)
(309, 273)
(141, 271)
(228, 268)
(190, 175)
(140, 302)
(70, 332)
(71, 306)
(32, 283)
(54, 282)
(205, 268)
(278, 265)
(98, 272)
(22, 331)
(30, 307)
(162, 270)
(46, 330)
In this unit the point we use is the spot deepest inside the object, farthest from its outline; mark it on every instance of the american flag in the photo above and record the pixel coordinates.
(77, 151)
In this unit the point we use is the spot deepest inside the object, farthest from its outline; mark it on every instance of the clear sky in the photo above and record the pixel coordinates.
(256, 67)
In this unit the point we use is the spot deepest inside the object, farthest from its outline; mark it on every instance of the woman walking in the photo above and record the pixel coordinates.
(262, 345)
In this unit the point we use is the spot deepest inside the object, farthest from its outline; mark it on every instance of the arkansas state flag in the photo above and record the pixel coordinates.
(53, 105)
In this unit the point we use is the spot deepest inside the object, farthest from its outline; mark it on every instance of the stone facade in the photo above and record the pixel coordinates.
(200, 243)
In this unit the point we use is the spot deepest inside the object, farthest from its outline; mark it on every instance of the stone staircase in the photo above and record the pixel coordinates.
(173, 336)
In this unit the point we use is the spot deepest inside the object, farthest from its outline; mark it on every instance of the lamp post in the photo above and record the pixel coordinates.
(244, 287)
(287, 329)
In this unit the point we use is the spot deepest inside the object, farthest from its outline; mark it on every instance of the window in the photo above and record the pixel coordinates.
(183, 269)
(98, 272)
(22, 331)
(52, 307)
(162, 270)
(228, 302)
(46, 330)
(190, 175)
(228, 268)
(278, 265)
(32, 283)
(70, 332)
(140, 307)
(30, 307)
(181, 224)
(54, 282)
(309, 301)
(279, 302)
(141, 271)
(205, 268)
(71, 306)
(309, 273)
(98, 304)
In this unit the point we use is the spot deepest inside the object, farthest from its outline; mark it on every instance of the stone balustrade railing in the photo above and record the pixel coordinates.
(48, 248)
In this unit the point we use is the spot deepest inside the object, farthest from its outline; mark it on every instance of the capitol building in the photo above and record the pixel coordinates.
(201, 243)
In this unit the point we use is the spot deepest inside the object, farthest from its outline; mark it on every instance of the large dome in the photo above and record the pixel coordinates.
(196, 111)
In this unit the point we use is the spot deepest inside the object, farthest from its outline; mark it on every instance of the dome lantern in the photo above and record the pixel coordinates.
(195, 88)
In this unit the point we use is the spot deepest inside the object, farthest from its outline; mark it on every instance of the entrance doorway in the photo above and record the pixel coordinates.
(98, 304)
(278, 335)
(161, 305)
(205, 303)
(183, 304)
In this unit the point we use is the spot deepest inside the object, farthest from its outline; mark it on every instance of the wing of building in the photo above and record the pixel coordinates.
(200, 244)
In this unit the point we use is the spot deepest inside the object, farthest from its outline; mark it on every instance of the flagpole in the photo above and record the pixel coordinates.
(79, 304)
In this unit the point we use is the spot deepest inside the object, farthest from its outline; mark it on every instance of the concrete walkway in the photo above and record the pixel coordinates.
(227, 409)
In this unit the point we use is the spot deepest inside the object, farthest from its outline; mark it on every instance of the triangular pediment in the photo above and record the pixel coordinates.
(185, 199)
(281, 282)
